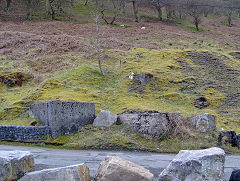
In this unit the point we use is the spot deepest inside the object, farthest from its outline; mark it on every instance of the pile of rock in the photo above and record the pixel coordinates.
(188, 165)
(231, 137)
(156, 124)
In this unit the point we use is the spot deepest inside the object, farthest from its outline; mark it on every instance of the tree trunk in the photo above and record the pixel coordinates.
(159, 10)
(196, 24)
(47, 7)
(8, 5)
(52, 11)
(123, 7)
(230, 17)
(29, 10)
(135, 11)
(98, 46)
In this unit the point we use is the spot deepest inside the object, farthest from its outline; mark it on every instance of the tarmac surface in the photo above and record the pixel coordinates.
(50, 158)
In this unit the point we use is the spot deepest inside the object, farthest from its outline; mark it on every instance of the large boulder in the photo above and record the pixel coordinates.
(196, 165)
(117, 169)
(14, 164)
(105, 119)
(235, 176)
(201, 103)
(238, 141)
(204, 122)
(231, 137)
(78, 172)
(153, 123)
(144, 78)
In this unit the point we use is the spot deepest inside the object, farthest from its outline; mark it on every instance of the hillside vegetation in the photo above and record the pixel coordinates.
(57, 61)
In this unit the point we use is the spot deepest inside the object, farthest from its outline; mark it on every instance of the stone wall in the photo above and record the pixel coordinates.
(63, 117)
(24, 132)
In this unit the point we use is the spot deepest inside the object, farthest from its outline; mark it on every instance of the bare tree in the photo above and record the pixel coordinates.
(135, 11)
(159, 4)
(112, 6)
(98, 41)
(8, 3)
(195, 11)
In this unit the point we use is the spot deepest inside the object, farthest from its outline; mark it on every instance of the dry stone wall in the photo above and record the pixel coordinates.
(24, 132)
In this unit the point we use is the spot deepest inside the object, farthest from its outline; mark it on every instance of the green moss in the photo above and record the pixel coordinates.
(176, 83)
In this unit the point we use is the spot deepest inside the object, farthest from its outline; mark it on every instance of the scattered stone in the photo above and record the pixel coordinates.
(117, 169)
(78, 172)
(201, 103)
(204, 122)
(63, 117)
(144, 78)
(235, 176)
(196, 165)
(105, 119)
(14, 164)
(231, 137)
(139, 81)
(238, 141)
(152, 123)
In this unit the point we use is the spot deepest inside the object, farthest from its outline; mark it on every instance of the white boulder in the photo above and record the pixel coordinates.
(78, 172)
(14, 164)
(196, 165)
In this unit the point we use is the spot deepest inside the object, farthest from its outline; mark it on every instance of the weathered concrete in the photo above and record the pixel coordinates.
(51, 158)
(197, 165)
(116, 168)
(78, 172)
(152, 123)
(204, 122)
(105, 119)
(14, 132)
(14, 164)
(63, 117)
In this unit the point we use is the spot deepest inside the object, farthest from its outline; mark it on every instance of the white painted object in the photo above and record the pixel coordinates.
(143, 28)
(131, 76)
(122, 25)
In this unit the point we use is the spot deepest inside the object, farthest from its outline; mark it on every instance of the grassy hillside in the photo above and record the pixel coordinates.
(58, 62)
(179, 77)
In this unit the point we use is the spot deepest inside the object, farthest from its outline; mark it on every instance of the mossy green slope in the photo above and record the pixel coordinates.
(179, 77)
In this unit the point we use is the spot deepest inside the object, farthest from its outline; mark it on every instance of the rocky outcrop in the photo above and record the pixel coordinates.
(196, 165)
(117, 169)
(14, 164)
(204, 122)
(63, 117)
(152, 122)
(201, 103)
(235, 176)
(231, 137)
(238, 141)
(78, 172)
(144, 78)
(105, 119)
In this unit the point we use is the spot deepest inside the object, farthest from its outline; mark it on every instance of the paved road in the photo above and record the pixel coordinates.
(50, 158)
